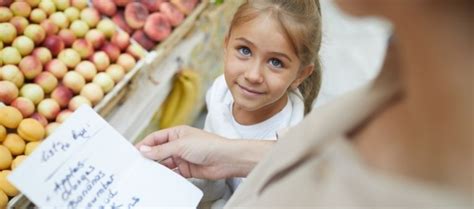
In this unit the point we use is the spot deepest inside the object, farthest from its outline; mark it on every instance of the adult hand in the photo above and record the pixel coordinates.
(199, 154)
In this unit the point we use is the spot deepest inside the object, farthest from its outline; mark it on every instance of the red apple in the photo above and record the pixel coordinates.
(8, 92)
(57, 68)
(13, 74)
(121, 40)
(47, 81)
(74, 81)
(70, 57)
(126, 61)
(62, 95)
(86, 69)
(67, 36)
(43, 54)
(54, 43)
(77, 101)
(30, 66)
(24, 45)
(100, 60)
(33, 92)
(92, 92)
(83, 47)
(96, 38)
(49, 108)
(24, 105)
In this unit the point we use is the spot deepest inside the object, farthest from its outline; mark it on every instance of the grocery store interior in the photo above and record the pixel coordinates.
(150, 65)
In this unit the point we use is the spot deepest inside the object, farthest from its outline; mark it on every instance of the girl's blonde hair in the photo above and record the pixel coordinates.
(301, 21)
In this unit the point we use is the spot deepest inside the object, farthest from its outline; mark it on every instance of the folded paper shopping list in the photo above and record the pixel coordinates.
(85, 163)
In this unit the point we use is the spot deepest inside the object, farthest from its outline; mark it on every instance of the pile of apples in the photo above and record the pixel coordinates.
(56, 55)
(147, 21)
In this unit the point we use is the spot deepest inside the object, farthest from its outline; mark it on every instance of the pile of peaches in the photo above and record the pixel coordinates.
(55, 55)
(147, 21)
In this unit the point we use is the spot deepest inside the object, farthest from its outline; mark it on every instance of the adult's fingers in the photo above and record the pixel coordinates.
(159, 152)
(157, 138)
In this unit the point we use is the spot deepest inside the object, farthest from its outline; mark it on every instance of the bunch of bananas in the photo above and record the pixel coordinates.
(179, 105)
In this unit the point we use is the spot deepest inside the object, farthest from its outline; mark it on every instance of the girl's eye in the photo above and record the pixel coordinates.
(245, 51)
(275, 63)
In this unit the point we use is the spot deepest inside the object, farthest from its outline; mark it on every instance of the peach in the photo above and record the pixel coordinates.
(24, 105)
(152, 5)
(106, 7)
(30, 66)
(5, 161)
(19, 23)
(185, 6)
(37, 15)
(74, 81)
(60, 19)
(121, 40)
(140, 37)
(122, 3)
(83, 47)
(104, 81)
(68, 37)
(51, 127)
(33, 92)
(126, 61)
(54, 43)
(107, 27)
(62, 95)
(86, 69)
(40, 118)
(91, 16)
(31, 130)
(30, 147)
(49, 108)
(24, 45)
(13, 74)
(8, 92)
(15, 144)
(93, 93)
(43, 54)
(47, 81)
(35, 32)
(33, 3)
(10, 55)
(63, 116)
(80, 4)
(20, 8)
(5, 14)
(79, 28)
(119, 20)
(49, 27)
(100, 60)
(175, 17)
(116, 72)
(157, 27)
(70, 57)
(17, 161)
(136, 51)
(8, 32)
(57, 68)
(10, 117)
(77, 101)
(47, 6)
(72, 13)
(136, 15)
(62, 4)
(96, 38)
(111, 50)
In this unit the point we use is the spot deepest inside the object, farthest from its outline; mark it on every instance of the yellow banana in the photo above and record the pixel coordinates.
(169, 106)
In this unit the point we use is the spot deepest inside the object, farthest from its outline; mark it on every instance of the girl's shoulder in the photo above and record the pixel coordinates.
(218, 92)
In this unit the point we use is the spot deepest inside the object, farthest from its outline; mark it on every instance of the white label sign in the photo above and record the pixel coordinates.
(85, 163)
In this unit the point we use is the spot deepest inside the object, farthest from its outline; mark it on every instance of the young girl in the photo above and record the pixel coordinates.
(271, 76)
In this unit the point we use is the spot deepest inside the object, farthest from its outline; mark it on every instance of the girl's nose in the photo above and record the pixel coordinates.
(254, 74)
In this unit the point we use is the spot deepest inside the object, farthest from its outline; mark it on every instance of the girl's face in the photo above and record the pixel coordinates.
(261, 65)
